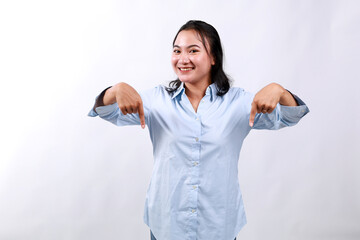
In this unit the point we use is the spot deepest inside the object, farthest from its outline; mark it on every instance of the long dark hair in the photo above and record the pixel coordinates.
(218, 76)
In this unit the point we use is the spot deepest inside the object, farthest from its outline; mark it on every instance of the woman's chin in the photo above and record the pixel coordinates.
(185, 80)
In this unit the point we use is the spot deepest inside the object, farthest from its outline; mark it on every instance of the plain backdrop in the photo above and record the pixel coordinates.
(66, 176)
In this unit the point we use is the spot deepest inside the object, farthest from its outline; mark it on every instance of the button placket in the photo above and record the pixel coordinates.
(193, 184)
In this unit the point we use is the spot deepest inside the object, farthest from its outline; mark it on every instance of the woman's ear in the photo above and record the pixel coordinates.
(212, 61)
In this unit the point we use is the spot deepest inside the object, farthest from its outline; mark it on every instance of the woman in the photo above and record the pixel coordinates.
(197, 126)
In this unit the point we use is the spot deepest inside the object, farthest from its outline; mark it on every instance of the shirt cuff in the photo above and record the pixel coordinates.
(98, 103)
(294, 113)
(104, 111)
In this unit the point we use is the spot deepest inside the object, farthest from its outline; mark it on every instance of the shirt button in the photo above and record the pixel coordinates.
(197, 119)
(194, 187)
(196, 139)
(193, 210)
(196, 163)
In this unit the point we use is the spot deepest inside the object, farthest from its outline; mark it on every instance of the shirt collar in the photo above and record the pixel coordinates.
(210, 90)
(179, 91)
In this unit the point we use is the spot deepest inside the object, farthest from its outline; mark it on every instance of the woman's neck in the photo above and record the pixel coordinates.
(196, 91)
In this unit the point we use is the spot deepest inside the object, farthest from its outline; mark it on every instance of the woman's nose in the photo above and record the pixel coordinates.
(184, 58)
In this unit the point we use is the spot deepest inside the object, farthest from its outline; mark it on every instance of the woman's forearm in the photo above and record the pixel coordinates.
(110, 95)
(286, 99)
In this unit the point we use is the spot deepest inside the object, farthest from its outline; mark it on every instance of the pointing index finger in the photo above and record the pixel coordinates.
(252, 114)
(141, 115)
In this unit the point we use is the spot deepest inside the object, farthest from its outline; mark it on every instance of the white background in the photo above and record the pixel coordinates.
(66, 176)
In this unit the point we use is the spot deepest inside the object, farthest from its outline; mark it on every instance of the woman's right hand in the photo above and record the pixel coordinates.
(127, 98)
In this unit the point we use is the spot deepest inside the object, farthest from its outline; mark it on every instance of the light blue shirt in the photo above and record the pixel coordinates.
(194, 192)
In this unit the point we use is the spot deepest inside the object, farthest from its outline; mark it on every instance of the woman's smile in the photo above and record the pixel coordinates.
(186, 69)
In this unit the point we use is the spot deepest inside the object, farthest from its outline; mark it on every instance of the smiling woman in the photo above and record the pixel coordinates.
(197, 126)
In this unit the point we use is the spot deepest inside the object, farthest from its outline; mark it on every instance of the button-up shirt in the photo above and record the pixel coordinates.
(194, 192)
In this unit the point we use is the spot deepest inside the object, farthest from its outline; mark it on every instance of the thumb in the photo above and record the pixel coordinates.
(252, 114)
(141, 115)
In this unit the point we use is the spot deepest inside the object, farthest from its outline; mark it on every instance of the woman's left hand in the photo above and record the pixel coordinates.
(266, 99)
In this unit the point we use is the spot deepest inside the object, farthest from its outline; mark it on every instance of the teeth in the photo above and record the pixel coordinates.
(185, 69)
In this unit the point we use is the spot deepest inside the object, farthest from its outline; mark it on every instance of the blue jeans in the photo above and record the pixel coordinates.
(153, 238)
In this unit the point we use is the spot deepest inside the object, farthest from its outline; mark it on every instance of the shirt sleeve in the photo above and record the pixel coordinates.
(113, 114)
(282, 116)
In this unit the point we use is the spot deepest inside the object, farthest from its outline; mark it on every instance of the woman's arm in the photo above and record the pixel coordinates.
(267, 98)
(127, 98)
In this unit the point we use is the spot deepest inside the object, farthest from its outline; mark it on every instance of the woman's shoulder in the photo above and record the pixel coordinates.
(155, 90)
(159, 91)
(237, 92)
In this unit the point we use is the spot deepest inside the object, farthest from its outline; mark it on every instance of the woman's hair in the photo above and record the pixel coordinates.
(208, 32)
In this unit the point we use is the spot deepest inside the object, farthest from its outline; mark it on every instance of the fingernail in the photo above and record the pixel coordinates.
(143, 126)
(251, 124)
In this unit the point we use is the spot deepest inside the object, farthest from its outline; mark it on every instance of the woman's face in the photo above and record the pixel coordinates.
(190, 60)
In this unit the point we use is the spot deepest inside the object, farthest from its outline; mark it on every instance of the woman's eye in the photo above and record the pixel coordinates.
(193, 51)
(176, 51)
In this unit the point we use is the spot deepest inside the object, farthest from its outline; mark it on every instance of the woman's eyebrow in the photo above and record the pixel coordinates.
(190, 46)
